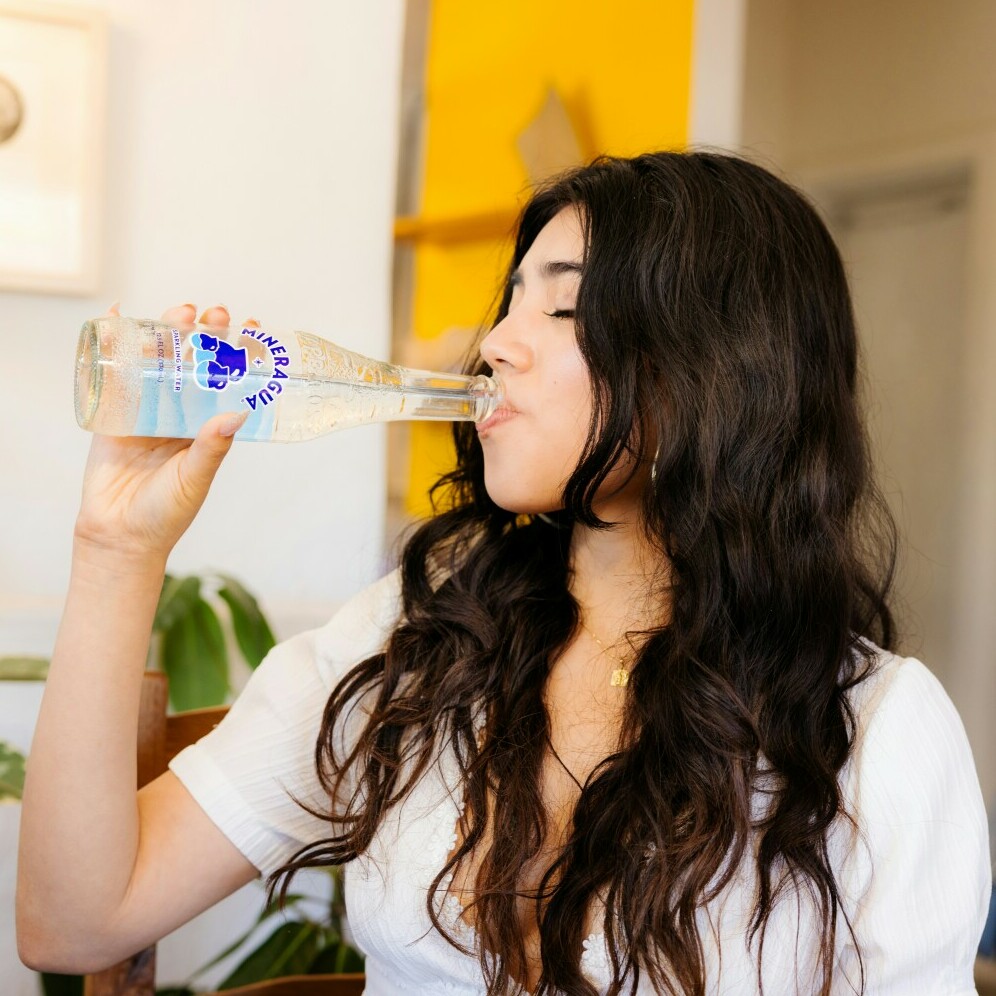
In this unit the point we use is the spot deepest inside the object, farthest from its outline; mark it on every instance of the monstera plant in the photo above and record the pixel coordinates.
(189, 643)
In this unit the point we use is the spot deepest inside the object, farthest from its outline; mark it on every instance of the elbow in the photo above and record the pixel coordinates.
(34, 948)
(42, 956)
(68, 940)
(46, 950)
(37, 952)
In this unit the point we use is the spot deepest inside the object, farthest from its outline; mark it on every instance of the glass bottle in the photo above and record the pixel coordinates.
(137, 377)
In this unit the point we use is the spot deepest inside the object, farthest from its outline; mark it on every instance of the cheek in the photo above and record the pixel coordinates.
(570, 387)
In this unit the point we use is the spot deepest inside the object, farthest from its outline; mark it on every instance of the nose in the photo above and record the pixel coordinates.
(505, 348)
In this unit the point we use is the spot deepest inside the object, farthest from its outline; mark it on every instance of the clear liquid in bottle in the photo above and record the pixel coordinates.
(147, 378)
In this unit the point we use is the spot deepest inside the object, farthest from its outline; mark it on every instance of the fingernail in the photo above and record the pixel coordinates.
(232, 425)
(116, 307)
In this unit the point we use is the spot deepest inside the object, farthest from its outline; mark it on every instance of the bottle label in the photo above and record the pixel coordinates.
(177, 361)
(280, 358)
(177, 368)
(217, 363)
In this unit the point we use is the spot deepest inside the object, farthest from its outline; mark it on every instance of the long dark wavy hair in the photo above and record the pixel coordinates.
(715, 319)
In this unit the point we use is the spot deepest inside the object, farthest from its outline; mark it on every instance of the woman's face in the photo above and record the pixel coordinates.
(532, 446)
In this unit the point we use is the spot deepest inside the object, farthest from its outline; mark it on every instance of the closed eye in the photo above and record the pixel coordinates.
(563, 313)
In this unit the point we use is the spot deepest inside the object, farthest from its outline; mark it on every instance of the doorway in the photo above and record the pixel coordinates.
(904, 245)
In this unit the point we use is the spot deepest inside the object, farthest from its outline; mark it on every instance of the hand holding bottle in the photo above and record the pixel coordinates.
(140, 494)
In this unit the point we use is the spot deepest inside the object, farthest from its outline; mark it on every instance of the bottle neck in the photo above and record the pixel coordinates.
(449, 397)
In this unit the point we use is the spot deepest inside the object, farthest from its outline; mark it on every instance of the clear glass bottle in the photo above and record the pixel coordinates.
(137, 377)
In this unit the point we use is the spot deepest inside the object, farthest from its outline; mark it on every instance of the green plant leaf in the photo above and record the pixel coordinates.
(267, 912)
(23, 668)
(337, 957)
(195, 659)
(337, 904)
(289, 950)
(11, 773)
(54, 984)
(252, 631)
(177, 599)
(350, 960)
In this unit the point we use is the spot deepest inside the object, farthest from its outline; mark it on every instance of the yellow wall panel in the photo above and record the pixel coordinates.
(622, 70)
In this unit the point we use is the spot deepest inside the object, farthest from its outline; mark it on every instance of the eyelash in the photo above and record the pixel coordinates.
(559, 314)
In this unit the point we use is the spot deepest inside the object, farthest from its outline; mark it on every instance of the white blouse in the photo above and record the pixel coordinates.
(915, 882)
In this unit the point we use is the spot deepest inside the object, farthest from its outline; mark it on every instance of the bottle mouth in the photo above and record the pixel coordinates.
(490, 396)
(89, 376)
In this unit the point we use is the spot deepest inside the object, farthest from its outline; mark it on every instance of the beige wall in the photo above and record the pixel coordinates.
(857, 77)
(716, 96)
(853, 94)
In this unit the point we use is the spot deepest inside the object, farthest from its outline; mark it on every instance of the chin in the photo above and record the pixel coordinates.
(519, 500)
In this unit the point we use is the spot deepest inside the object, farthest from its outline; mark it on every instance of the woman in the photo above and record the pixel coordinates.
(627, 718)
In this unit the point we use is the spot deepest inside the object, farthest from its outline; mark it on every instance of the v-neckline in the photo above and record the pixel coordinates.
(451, 911)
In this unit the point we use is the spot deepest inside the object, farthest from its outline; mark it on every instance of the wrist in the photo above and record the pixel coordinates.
(95, 561)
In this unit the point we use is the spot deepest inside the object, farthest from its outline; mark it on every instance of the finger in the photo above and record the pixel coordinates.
(218, 317)
(202, 460)
(251, 323)
(182, 314)
(113, 310)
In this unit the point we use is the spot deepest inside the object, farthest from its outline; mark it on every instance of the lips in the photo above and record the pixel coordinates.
(501, 414)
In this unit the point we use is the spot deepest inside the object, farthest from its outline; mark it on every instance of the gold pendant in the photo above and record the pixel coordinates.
(620, 678)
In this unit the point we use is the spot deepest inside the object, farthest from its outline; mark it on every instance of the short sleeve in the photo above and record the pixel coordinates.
(247, 773)
(920, 874)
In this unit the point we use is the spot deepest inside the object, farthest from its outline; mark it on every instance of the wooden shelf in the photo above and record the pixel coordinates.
(498, 224)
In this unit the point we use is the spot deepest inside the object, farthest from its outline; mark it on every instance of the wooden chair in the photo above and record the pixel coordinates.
(160, 737)
(985, 976)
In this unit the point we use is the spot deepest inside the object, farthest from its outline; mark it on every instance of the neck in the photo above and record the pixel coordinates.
(617, 579)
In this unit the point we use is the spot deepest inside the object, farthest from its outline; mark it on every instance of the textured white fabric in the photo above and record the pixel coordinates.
(911, 782)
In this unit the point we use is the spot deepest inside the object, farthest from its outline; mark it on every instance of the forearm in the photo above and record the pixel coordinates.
(79, 825)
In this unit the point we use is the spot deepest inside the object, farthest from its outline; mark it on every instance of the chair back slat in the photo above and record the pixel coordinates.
(152, 727)
(134, 977)
(186, 728)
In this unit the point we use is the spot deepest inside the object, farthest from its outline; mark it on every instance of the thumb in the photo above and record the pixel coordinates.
(209, 448)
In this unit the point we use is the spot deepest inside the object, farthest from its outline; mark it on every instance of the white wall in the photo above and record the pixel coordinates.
(251, 154)
(854, 95)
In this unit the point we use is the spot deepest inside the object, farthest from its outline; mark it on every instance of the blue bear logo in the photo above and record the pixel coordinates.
(217, 363)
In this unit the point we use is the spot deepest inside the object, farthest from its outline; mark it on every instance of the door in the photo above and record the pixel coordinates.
(905, 251)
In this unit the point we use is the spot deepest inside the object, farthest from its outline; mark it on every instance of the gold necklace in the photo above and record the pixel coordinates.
(620, 675)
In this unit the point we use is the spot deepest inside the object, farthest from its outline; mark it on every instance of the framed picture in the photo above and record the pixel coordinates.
(52, 106)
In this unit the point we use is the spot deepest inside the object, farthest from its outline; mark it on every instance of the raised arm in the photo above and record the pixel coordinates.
(104, 870)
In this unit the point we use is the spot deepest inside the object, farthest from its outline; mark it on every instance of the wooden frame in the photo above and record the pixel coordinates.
(54, 66)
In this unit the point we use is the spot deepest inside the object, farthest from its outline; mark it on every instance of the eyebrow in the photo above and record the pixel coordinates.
(550, 269)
